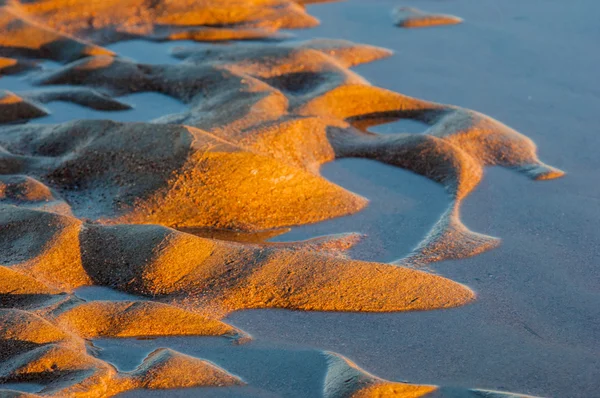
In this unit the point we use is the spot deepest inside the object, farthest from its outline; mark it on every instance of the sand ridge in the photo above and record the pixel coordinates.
(212, 276)
(92, 202)
(299, 103)
(29, 105)
(9, 66)
(408, 17)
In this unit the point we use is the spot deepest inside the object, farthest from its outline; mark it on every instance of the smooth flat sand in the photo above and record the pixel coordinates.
(533, 328)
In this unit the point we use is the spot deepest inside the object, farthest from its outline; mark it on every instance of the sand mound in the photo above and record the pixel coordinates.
(24, 189)
(166, 368)
(24, 329)
(43, 244)
(138, 319)
(281, 55)
(407, 17)
(218, 277)
(209, 277)
(62, 30)
(24, 37)
(21, 291)
(27, 105)
(344, 379)
(42, 353)
(14, 108)
(28, 192)
(78, 95)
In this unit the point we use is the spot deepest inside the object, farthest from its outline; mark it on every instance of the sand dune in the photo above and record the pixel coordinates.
(92, 202)
(182, 176)
(345, 379)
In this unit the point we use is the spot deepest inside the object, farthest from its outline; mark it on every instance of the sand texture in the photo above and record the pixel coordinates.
(407, 17)
(173, 211)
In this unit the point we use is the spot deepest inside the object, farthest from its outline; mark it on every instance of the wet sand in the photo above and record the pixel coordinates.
(534, 326)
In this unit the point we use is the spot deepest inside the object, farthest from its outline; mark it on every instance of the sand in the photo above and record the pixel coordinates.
(408, 17)
(542, 279)
(131, 206)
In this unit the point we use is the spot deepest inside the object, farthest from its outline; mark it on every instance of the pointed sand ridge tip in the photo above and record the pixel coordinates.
(407, 17)
(168, 19)
(9, 66)
(541, 171)
(14, 108)
(335, 244)
(345, 379)
(449, 239)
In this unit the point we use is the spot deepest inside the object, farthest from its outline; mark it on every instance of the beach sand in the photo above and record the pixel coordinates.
(124, 243)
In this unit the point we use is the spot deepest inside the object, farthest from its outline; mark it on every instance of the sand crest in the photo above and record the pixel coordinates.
(167, 20)
(345, 379)
(407, 17)
(15, 108)
(104, 203)
(9, 66)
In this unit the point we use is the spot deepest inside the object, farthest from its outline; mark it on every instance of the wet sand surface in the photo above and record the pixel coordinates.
(535, 326)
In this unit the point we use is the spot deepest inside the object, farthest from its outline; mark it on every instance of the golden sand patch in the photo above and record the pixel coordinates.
(407, 17)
